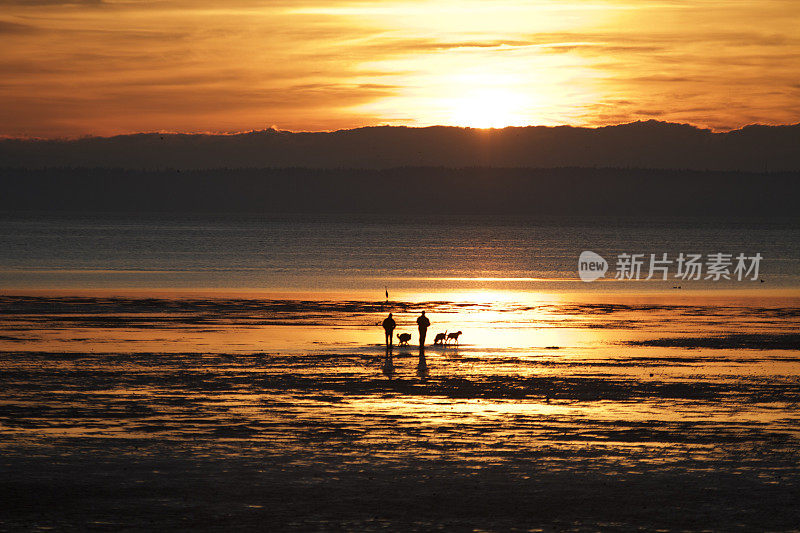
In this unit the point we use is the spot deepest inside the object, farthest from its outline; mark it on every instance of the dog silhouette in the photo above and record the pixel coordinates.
(453, 336)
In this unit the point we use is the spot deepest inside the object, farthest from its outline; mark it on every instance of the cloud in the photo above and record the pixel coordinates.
(174, 64)
(7, 27)
(40, 3)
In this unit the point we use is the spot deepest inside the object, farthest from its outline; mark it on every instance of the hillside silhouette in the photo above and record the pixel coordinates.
(651, 144)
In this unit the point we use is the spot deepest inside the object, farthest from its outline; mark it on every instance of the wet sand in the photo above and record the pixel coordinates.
(212, 414)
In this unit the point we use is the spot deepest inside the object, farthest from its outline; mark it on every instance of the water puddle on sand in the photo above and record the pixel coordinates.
(301, 391)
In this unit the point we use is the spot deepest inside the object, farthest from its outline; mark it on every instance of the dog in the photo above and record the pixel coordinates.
(440, 338)
(453, 336)
(404, 338)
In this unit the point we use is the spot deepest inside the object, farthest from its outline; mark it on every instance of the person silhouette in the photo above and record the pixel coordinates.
(423, 323)
(388, 327)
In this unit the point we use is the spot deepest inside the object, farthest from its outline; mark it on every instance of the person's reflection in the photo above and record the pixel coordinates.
(388, 364)
(422, 366)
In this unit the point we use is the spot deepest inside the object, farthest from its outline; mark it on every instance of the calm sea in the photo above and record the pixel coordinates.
(374, 253)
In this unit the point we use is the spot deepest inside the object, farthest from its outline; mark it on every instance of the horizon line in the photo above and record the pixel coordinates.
(274, 128)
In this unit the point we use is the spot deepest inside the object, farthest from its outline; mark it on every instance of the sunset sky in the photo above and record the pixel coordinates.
(106, 66)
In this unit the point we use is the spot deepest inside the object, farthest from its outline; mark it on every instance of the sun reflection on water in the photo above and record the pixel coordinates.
(545, 387)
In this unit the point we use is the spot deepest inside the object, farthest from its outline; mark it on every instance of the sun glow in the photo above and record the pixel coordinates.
(489, 108)
(242, 65)
(474, 88)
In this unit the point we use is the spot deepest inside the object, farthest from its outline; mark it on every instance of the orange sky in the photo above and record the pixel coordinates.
(106, 66)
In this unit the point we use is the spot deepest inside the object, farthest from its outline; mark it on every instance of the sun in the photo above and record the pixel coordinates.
(470, 92)
(488, 108)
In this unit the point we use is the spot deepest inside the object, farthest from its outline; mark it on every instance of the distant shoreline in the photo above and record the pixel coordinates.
(569, 191)
(771, 296)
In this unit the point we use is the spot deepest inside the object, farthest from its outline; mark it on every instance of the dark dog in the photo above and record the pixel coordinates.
(404, 338)
(440, 338)
(453, 336)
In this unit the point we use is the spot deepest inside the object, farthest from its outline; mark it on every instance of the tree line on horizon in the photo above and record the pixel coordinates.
(405, 190)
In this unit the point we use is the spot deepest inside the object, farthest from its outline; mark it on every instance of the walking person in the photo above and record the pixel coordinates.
(388, 327)
(423, 323)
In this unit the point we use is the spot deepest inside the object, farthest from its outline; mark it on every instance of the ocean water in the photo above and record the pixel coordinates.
(211, 373)
(371, 253)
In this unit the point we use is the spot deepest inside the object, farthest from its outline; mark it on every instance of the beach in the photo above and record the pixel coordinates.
(553, 413)
(400, 266)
